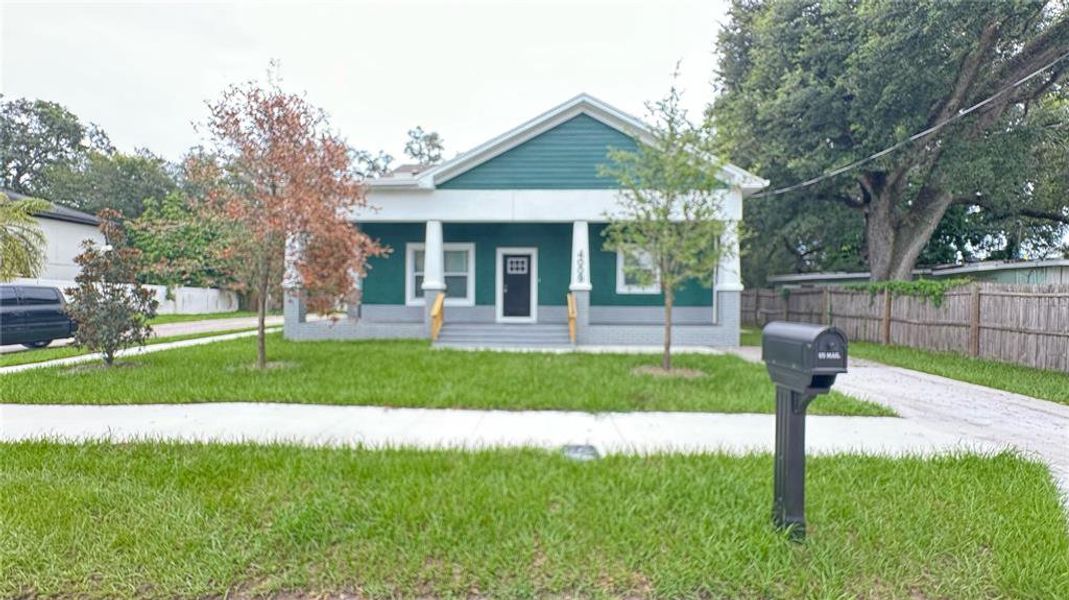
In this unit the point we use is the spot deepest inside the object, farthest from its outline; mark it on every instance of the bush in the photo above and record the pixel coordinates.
(109, 305)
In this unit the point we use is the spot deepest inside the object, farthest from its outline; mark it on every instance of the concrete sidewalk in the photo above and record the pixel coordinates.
(309, 424)
(174, 329)
(135, 351)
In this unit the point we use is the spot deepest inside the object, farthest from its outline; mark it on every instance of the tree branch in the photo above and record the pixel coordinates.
(967, 75)
(1034, 213)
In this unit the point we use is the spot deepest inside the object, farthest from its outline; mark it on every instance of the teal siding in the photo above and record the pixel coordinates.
(603, 281)
(554, 243)
(565, 157)
(385, 283)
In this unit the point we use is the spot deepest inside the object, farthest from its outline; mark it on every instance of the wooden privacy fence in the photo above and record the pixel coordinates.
(1023, 324)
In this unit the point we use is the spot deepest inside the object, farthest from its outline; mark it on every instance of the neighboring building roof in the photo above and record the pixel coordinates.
(406, 170)
(939, 271)
(581, 104)
(57, 212)
(998, 265)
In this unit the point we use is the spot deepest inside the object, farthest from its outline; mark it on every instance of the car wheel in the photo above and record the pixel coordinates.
(40, 344)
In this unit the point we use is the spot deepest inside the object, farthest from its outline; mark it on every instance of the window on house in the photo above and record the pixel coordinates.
(459, 271)
(636, 274)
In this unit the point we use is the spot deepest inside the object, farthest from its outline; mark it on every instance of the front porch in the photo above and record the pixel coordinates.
(516, 285)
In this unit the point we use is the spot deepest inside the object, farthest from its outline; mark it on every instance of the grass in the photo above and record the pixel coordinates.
(46, 354)
(1037, 383)
(409, 373)
(163, 319)
(194, 521)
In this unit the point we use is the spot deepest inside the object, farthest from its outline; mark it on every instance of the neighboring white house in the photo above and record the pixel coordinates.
(65, 229)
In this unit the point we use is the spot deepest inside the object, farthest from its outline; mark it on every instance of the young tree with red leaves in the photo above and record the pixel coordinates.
(277, 172)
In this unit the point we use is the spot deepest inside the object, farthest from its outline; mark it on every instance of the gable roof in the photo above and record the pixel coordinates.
(57, 212)
(581, 104)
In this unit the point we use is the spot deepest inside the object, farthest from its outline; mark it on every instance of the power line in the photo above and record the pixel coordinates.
(934, 128)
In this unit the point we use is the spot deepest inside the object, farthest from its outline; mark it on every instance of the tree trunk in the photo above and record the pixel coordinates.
(895, 243)
(261, 315)
(666, 358)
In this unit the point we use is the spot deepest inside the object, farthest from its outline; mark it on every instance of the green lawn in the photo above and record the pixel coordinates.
(174, 521)
(162, 319)
(409, 373)
(43, 354)
(1038, 383)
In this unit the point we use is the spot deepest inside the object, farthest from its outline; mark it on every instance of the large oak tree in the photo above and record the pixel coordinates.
(809, 86)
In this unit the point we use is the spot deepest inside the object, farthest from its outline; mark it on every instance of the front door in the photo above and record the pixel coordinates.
(517, 273)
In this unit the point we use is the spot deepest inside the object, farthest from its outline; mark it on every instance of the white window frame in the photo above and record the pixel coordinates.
(410, 273)
(623, 288)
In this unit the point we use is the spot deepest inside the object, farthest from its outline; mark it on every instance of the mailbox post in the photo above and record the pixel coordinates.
(802, 360)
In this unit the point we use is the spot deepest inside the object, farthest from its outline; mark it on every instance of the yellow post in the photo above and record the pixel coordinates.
(572, 314)
(437, 315)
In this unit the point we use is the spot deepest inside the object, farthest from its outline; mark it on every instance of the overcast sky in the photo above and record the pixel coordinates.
(469, 70)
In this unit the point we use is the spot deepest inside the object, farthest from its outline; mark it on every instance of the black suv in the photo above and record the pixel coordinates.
(33, 316)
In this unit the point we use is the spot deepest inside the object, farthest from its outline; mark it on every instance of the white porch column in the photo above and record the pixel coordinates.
(433, 269)
(729, 273)
(580, 284)
(293, 305)
(433, 261)
(580, 257)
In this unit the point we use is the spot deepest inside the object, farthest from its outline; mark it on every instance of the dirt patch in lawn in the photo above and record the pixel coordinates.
(95, 367)
(273, 365)
(657, 371)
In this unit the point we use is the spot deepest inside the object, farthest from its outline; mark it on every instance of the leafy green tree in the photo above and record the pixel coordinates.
(36, 135)
(809, 86)
(370, 165)
(98, 180)
(109, 305)
(22, 243)
(669, 221)
(181, 244)
(424, 147)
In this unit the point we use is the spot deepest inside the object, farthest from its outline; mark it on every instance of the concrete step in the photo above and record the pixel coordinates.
(497, 335)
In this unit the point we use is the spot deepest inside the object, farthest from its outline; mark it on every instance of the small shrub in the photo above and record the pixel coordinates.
(110, 307)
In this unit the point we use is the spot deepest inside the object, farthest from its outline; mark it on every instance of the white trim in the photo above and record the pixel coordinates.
(510, 206)
(747, 182)
(499, 281)
(410, 263)
(623, 288)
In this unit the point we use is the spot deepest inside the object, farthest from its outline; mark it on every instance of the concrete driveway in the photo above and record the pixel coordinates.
(963, 410)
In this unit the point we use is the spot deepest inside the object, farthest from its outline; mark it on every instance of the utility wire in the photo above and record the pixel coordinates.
(934, 128)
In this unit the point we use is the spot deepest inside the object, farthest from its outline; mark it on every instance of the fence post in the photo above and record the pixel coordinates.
(757, 308)
(827, 306)
(974, 322)
(886, 324)
(786, 306)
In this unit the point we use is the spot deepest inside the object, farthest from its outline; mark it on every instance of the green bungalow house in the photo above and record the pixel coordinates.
(502, 246)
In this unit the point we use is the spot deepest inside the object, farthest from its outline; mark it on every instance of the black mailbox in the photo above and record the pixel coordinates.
(803, 357)
(802, 360)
